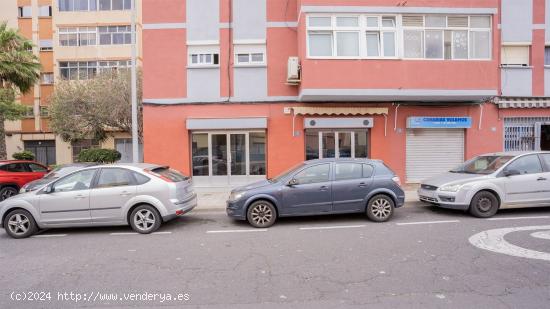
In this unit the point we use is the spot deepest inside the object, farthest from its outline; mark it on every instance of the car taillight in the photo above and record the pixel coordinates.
(158, 175)
(396, 180)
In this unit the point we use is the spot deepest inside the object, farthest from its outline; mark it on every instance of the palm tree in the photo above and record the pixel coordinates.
(19, 71)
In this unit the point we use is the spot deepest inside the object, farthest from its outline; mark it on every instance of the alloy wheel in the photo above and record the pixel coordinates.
(7, 193)
(262, 214)
(144, 219)
(19, 224)
(381, 208)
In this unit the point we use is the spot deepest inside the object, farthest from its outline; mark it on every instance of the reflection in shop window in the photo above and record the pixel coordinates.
(328, 149)
(200, 154)
(257, 153)
(344, 144)
(312, 145)
(361, 147)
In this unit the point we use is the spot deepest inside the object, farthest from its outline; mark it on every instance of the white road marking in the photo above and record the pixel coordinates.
(331, 227)
(120, 234)
(493, 240)
(161, 233)
(428, 222)
(235, 231)
(49, 235)
(518, 218)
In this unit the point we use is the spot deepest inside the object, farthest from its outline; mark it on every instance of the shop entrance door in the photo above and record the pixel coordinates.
(542, 136)
(226, 159)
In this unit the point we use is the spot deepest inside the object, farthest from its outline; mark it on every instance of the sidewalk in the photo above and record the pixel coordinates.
(216, 200)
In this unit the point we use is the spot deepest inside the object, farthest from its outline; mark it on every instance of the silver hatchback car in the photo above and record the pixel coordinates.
(141, 195)
(492, 181)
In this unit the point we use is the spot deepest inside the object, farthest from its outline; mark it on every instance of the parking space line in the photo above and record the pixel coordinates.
(428, 222)
(518, 218)
(235, 231)
(120, 234)
(331, 227)
(49, 235)
(161, 233)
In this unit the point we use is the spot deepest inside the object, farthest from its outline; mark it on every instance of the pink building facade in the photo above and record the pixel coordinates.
(239, 90)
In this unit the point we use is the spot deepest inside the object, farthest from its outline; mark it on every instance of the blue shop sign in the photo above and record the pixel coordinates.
(439, 122)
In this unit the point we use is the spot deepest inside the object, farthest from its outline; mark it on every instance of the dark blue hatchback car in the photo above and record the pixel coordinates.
(325, 186)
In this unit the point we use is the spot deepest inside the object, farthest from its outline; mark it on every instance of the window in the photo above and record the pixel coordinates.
(74, 182)
(256, 146)
(204, 59)
(515, 55)
(14, 168)
(44, 111)
(68, 36)
(140, 179)
(250, 54)
(25, 11)
(330, 143)
(87, 36)
(320, 44)
(115, 35)
(547, 55)
(368, 170)
(94, 5)
(114, 177)
(82, 70)
(381, 36)
(35, 168)
(46, 45)
(526, 165)
(46, 78)
(314, 174)
(546, 159)
(29, 112)
(45, 11)
(447, 37)
(347, 171)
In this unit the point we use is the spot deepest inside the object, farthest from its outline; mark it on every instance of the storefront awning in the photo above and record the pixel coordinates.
(346, 111)
(507, 102)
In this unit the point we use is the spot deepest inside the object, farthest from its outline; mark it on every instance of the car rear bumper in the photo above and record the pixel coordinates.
(182, 208)
(450, 200)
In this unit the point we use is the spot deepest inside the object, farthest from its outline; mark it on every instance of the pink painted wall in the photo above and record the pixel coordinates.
(537, 49)
(163, 11)
(408, 3)
(277, 57)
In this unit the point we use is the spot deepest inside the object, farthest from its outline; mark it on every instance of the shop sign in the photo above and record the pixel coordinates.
(439, 122)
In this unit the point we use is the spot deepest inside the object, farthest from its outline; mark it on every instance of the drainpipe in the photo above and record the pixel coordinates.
(395, 120)
(480, 115)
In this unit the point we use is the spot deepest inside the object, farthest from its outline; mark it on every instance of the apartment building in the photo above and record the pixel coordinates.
(75, 40)
(240, 90)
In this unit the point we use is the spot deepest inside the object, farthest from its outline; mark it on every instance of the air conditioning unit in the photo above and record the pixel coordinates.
(293, 71)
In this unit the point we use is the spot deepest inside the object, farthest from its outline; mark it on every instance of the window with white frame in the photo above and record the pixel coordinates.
(83, 70)
(514, 55)
(103, 35)
(115, 35)
(45, 11)
(25, 11)
(46, 78)
(201, 55)
(547, 56)
(446, 37)
(250, 54)
(94, 5)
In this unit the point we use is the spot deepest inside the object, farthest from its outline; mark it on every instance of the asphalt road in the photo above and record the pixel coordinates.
(424, 257)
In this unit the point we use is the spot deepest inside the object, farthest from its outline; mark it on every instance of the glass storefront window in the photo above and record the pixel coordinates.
(329, 146)
(344, 144)
(238, 154)
(199, 154)
(257, 153)
(219, 154)
(361, 146)
(312, 145)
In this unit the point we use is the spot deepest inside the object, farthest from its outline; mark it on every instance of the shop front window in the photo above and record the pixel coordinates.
(200, 154)
(328, 145)
(257, 153)
(340, 144)
(312, 145)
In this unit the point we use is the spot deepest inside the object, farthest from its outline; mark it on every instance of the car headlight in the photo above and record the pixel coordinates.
(235, 196)
(451, 188)
(23, 189)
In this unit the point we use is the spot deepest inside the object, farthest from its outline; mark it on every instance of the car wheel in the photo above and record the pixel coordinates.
(484, 205)
(20, 223)
(261, 214)
(380, 208)
(145, 219)
(7, 192)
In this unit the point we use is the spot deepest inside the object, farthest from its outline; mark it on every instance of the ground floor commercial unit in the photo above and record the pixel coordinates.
(229, 144)
(50, 149)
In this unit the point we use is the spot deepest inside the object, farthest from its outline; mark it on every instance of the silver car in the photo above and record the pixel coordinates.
(492, 181)
(141, 195)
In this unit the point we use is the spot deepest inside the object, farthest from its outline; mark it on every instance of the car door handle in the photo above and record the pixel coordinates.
(79, 197)
(541, 178)
(362, 185)
(125, 193)
(323, 188)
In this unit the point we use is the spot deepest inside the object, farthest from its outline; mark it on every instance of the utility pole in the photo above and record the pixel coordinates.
(135, 138)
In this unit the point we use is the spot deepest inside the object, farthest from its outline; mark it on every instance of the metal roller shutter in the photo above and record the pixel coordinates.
(432, 151)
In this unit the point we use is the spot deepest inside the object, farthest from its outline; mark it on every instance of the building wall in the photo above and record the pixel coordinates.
(8, 13)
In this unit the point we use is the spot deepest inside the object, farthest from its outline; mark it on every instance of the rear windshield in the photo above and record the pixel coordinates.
(384, 170)
(171, 174)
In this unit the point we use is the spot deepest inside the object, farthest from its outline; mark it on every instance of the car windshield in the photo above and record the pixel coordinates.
(62, 171)
(286, 173)
(483, 165)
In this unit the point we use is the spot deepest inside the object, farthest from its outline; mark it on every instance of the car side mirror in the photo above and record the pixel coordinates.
(48, 189)
(292, 182)
(509, 173)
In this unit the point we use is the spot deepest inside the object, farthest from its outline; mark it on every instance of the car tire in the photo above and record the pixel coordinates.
(484, 205)
(7, 192)
(380, 208)
(261, 214)
(20, 223)
(145, 219)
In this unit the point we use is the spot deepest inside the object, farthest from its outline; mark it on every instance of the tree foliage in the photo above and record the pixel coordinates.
(92, 108)
(24, 155)
(99, 155)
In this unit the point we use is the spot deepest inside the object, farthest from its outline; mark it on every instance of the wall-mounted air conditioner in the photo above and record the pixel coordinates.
(293, 71)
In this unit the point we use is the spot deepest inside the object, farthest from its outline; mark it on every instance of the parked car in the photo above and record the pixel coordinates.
(14, 174)
(140, 195)
(489, 182)
(59, 171)
(325, 186)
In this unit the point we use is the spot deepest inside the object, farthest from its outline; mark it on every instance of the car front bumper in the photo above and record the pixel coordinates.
(235, 209)
(451, 200)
